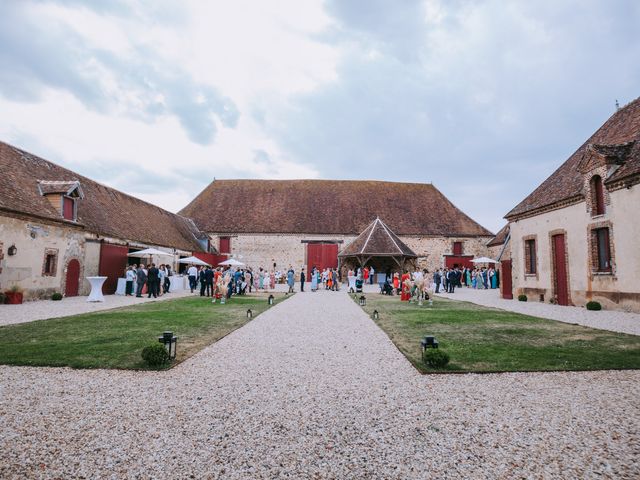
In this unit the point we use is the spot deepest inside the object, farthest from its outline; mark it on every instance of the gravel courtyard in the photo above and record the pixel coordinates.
(313, 389)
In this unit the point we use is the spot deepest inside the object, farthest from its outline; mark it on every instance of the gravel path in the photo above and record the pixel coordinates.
(46, 309)
(313, 389)
(615, 321)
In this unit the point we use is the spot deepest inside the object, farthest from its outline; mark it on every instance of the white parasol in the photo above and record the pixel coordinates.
(194, 261)
(147, 252)
(483, 260)
(232, 262)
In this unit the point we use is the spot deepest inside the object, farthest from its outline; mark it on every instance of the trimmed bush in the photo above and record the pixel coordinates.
(155, 355)
(56, 296)
(435, 357)
(593, 305)
(522, 298)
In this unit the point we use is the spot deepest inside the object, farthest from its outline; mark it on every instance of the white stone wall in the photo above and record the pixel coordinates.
(617, 289)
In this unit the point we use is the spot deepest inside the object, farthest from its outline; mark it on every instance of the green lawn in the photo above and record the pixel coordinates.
(115, 338)
(481, 339)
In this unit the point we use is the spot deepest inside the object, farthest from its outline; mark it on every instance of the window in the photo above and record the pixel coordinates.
(50, 262)
(225, 244)
(457, 248)
(530, 256)
(597, 196)
(68, 208)
(602, 250)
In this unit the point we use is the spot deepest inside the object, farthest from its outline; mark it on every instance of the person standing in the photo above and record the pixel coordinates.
(192, 272)
(405, 286)
(314, 279)
(291, 275)
(437, 277)
(152, 281)
(208, 278)
(451, 280)
(130, 276)
(302, 279)
(371, 274)
(141, 278)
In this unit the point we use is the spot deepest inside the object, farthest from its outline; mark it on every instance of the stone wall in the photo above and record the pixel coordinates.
(262, 250)
(619, 289)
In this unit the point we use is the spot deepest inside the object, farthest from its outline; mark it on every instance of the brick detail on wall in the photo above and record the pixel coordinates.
(593, 249)
(589, 194)
(567, 255)
(54, 265)
(1, 255)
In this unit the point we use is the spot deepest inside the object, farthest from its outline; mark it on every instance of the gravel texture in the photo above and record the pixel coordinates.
(313, 389)
(613, 320)
(46, 309)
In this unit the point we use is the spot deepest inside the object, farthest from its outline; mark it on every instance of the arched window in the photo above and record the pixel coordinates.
(597, 195)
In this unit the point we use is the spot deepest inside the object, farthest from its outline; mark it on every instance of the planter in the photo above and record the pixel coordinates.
(13, 298)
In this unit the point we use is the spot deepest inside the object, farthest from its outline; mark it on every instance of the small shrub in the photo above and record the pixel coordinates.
(436, 358)
(522, 298)
(155, 355)
(56, 296)
(594, 305)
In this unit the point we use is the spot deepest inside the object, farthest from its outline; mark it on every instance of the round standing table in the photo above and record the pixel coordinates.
(96, 289)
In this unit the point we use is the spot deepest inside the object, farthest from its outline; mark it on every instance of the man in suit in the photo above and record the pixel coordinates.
(452, 280)
(141, 279)
(153, 281)
(437, 277)
(208, 279)
(302, 280)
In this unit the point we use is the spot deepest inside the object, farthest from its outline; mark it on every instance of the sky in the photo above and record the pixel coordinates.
(485, 99)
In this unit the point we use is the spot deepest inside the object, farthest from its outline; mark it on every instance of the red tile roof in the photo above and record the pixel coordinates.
(500, 237)
(616, 141)
(327, 207)
(103, 210)
(377, 240)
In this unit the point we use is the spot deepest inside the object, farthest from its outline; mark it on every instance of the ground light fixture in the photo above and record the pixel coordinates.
(170, 342)
(376, 315)
(223, 300)
(429, 341)
(249, 314)
(270, 300)
(12, 250)
(363, 301)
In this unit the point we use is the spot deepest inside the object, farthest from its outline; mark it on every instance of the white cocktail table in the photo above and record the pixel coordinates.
(96, 289)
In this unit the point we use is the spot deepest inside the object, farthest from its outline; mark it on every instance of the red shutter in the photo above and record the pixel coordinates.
(457, 248)
(599, 193)
(67, 208)
(225, 244)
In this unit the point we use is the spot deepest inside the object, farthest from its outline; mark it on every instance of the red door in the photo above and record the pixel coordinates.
(322, 255)
(560, 264)
(506, 286)
(72, 283)
(113, 261)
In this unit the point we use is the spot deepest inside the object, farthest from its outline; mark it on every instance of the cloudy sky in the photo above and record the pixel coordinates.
(156, 97)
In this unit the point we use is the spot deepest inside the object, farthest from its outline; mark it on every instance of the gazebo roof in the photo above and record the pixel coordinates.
(377, 240)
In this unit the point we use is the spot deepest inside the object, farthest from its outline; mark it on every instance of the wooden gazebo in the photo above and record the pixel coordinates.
(379, 246)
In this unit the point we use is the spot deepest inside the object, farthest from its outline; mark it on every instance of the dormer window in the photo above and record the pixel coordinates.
(597, 196)
(63, 196)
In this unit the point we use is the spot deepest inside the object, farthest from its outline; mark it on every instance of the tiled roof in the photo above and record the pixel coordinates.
(377, 240)
(615, 142)
(103, 210)
(66, 188)
(500, 237)
(327, 207)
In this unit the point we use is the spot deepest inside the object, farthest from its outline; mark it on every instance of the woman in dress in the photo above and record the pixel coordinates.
(272, 280)
(260, 279)
(314, 280)
(468, 276)
(396, 282)
(406, 287)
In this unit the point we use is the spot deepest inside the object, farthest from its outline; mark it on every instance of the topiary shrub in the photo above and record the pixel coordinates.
(56, 296)
(435, 357)
(155, 355)
(594, 305)
(522, 298)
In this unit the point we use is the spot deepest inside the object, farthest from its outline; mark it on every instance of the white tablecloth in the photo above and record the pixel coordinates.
(178, 283)
(122, 285)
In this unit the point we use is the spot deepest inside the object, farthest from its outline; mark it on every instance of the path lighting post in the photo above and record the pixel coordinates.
(170, 342)
(249, 314)
(223, 300)
(363, 301)
(270, 300)
(376, 315)
(428, 341)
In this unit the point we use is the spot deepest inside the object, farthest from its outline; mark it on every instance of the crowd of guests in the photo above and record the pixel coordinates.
(147, 279)
(479, 278)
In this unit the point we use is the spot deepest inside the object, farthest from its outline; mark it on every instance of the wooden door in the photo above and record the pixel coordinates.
(72, 283)
(506, 286)
(113, 261)
(321, 255)
(560, 269)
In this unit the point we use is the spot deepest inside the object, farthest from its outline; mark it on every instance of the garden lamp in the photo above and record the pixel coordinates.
(270, 300)
(249, 314)
(170, 342)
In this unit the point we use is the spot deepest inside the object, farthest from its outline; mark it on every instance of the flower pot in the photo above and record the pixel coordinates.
(13, 298)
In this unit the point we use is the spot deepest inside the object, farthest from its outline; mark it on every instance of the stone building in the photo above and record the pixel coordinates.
(57, 227)
(277, 223)
(575, 237)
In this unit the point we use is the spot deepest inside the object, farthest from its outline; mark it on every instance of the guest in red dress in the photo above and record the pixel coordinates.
(406, 289)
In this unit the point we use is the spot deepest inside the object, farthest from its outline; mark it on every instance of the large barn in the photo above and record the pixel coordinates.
(277, 223)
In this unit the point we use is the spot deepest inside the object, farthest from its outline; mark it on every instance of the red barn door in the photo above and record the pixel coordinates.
(113, 261)
(322, 255)
(560, 264)
(506, 286)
